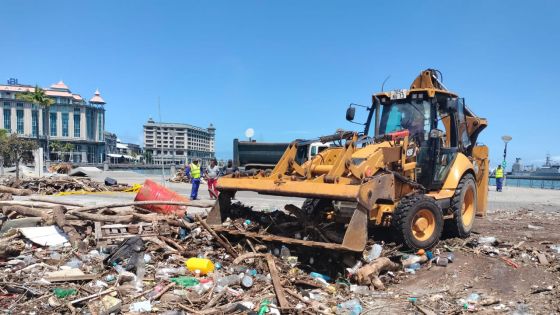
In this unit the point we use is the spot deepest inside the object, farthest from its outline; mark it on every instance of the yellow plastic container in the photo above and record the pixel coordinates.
(203, 264)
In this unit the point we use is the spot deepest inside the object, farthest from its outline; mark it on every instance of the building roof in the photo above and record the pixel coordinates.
(16, 88)
(97, 98)
(59, 89)
(60, 85)
(58, 93)
(151, 123)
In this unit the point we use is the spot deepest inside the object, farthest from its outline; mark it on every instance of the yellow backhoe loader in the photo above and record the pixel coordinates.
(420, 170)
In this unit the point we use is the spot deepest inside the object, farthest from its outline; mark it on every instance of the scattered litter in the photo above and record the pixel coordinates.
(45, 235)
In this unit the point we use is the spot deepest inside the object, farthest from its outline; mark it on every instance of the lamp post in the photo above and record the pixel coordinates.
(506, 139)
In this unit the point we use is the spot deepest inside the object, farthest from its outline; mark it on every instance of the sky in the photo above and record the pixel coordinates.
(288, 69)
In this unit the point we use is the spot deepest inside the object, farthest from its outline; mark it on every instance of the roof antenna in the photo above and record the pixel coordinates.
(384, 81)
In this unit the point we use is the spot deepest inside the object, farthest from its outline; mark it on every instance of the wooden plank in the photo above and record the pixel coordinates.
(282, 301)
(72, 278)
(282, 239)
(225, 245)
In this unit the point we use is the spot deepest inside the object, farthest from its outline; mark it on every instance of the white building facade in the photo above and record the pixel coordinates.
(175, 143)
(71, 120)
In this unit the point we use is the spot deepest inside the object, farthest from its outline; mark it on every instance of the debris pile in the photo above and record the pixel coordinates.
(60, 168)
(120, 258)
(179, 176)
(57, 184)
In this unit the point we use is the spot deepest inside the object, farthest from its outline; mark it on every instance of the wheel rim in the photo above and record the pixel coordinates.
(467, 208)
(423, 224)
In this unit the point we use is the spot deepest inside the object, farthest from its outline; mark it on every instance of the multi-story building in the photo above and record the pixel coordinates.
(131, 149)
(110, 142)
(174, 143)
(71, 119)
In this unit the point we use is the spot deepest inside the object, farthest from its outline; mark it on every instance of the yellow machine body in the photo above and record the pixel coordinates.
(375, 174)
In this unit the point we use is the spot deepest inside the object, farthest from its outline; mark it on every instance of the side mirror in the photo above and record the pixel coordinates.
(451, 105)
(436, 134)
(350, 113)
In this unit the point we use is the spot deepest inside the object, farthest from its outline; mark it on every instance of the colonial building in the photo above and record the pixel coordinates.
(175, 143)
(71, 119)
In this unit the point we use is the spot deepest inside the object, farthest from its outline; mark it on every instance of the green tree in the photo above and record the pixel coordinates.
(56, 147)
(148, 157)
(3, 148)
(14, 148)
(39, 98)
(66, 149)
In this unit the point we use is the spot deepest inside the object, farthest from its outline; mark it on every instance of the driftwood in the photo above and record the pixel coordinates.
(11, 246)
(218, 238)
(60, 219)
(102, 217)
(282, 301)
(369, 274)
(57, 202)
(46, 216)
(239, 259)
(25, 203)
(192, 203)
(15, 191)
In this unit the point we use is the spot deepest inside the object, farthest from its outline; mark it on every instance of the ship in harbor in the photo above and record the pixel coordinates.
(550, 170)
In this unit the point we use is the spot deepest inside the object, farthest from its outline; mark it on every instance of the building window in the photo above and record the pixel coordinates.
(34, 123)
(8, 119)
(53, 124)
(77, 123)
(100, 126)
(19, 121)
(90, 125)
(65, 124)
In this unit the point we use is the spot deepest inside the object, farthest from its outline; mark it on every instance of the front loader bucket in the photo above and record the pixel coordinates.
(356, 234)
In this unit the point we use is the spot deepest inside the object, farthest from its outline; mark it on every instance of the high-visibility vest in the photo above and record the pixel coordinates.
(195, 171)
(499, 173)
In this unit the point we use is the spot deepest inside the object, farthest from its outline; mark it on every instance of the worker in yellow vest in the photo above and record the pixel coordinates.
(499, 178)
(195, 178)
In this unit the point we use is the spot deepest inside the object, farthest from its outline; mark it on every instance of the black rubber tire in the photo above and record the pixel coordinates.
(311, 206)
(456, 227)
(405, 212)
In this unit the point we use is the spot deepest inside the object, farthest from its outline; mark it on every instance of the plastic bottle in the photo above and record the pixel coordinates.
(156, 290)
(442, 261)
(284, 252)
(230, 280)
(247, 282)
(166, 273)
(62, 293)
(353, 306)
(374, 253)
(450, 257)
(473, 298)
(321, 276)
(140, 273)
(414, 259)
(414, 266)
(263, 309)
(355, 268)
(487, 240)
(203, 264)
(360, 289)
(185, 281)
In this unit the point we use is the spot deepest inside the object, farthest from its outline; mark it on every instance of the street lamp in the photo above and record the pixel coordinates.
(506, 139)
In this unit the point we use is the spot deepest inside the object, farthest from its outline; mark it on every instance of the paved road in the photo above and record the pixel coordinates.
(512, 198)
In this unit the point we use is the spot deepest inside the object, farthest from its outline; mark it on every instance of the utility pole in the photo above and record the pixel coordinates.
(506, 139)
(161, 130)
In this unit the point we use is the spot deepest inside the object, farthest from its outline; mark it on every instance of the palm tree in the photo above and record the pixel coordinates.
(39, 98)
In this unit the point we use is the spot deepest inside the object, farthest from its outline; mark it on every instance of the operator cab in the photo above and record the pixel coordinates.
(436, 127)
